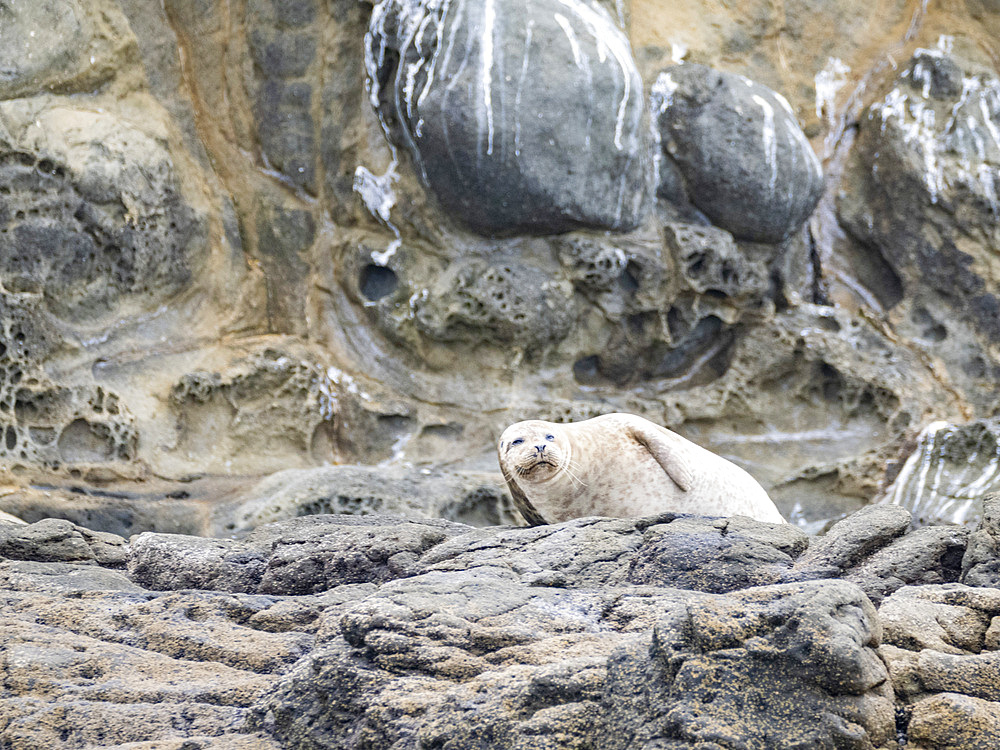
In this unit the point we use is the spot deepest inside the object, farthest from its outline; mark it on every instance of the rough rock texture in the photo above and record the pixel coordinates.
(520, 117)
(476, 499)
(979, 565)
(346, 631)
(216, 265)
(923, 171)
(733, 149)
(220, 261)
(965, 460)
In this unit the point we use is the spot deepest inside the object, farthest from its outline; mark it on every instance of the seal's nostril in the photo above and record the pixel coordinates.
(540, 448)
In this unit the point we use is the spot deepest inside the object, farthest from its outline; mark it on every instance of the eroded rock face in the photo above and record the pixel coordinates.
(740, 152)
(950, 472)
(61, 45)
(521, 117)
(921, 178)
(93, 217)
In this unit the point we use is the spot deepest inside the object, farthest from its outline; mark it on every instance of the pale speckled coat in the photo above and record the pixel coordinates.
(622, 465)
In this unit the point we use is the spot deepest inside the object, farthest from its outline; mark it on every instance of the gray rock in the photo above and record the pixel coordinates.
(521, 117)
(68, 45)
(478, 300)
(175, 561)
(321, 552)
(716, 555)
(921, 177)
(740, 152)
(981, 564)
(474, 498)
(61, 578)
(306, 555)
(494, 663)
(55, 540)
(95, 211)
(850, 541)
(928, 555)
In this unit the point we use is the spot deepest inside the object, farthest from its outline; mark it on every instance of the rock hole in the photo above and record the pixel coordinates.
(82, 442)
(10, 438)
(377, 282)
(587, 370)
(629, 279)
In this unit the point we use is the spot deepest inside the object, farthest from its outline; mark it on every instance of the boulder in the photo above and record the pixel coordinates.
(948, 474)
(520, 117)
(734, 149)
(951, 721)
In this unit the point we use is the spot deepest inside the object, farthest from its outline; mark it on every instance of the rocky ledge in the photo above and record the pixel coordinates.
(339, 631)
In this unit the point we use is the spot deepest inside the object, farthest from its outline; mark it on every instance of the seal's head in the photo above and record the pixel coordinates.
(533, 451)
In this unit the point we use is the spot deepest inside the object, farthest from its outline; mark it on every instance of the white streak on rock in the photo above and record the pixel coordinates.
(529, 27)
(610, 40)
(770, 142)
(489, 24)
(828, 82)
(377, 194)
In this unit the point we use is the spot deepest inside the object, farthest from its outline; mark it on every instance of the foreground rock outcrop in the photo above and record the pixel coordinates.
(371, 631)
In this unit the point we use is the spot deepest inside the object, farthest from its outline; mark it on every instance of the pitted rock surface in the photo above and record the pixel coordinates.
(359, 631)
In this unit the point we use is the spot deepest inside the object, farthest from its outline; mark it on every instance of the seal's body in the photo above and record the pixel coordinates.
(621, 465)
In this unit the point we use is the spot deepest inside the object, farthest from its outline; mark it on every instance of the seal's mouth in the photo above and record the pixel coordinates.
(526, 469)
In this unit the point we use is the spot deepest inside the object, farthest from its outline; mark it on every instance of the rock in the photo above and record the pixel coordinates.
(61, 578)
(174, 561)
(476, 499)
(303, 556)
(981, 564)
(526, 126)
(928, 555)
(921, 177)
(75, 46)
(851, 540)
(319, 553)
(275, 403)
(960, 462)
(348, 631)
(54, 540)
(951, 618)
(950, 721)
(716, 556)
(475, 300)
(95, 210)
(451, 644)
(740, 152)
(914, 674)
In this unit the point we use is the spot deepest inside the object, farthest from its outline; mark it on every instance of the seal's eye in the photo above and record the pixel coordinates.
(517, 441)
(550, 437)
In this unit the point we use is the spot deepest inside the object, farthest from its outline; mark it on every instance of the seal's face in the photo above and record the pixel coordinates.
(533, 451)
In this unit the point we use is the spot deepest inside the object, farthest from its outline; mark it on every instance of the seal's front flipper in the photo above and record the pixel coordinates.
(667, 456)
(521, 501)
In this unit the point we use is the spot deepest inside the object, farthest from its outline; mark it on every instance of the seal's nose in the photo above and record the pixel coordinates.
(540, 449)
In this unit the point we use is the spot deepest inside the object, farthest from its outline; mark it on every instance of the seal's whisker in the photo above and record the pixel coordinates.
(568, 467)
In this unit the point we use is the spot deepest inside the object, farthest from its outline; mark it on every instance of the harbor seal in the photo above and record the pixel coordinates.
(621, 465)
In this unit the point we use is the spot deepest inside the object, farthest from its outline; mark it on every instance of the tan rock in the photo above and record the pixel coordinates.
(954, 722)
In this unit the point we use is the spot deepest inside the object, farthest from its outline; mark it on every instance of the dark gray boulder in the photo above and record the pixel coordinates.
(520, 117)
(734, 149)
